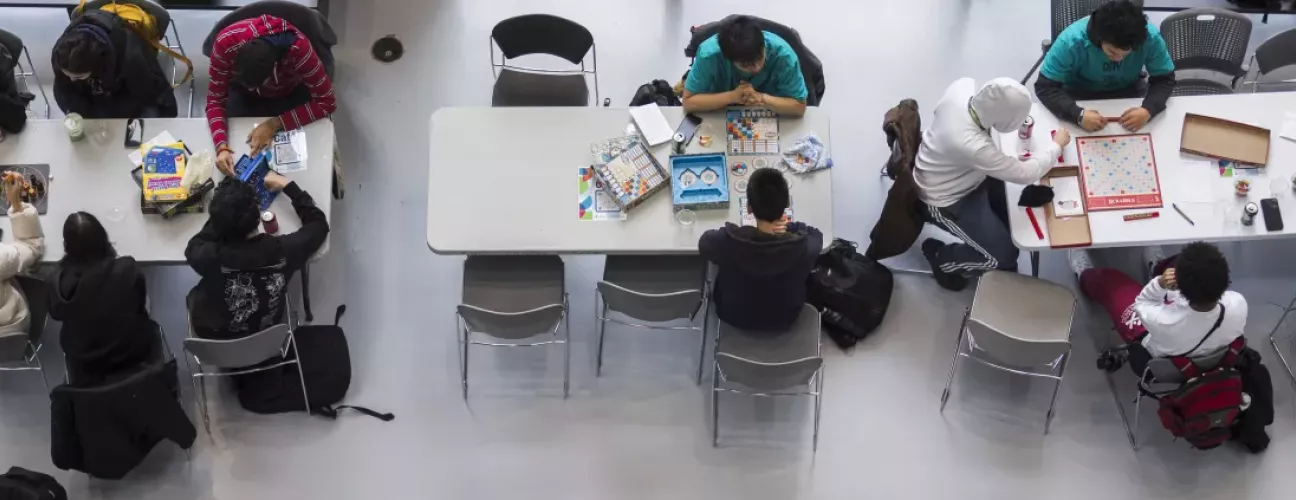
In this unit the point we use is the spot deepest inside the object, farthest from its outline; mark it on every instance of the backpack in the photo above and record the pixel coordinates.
(851, 291)
(325, 363)
(1204, 409)
(658, 91)
(23, 484)
(146, 26)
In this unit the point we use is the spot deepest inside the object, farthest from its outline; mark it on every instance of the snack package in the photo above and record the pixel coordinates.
(164, 168)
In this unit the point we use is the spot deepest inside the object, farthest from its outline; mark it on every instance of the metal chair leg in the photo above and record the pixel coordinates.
(301, 375)
(461, 336)
(201, 383)
(715, 406)
(566, 352)
(1048, 420)
(706, 312)
(41, 368)
(1138, 404)
(601, 323)
(818, 407)
(958, 348)
(1273, 340)
(1120, 408)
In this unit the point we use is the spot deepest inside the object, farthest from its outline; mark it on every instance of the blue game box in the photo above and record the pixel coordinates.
(699, 181)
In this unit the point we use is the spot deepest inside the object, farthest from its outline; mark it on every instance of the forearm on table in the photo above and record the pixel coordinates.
(1160, 88)
(785, 106)
(701, 103)
(1054, 97)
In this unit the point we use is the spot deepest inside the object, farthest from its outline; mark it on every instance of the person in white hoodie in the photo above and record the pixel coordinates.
(18, 257)
(960, 173)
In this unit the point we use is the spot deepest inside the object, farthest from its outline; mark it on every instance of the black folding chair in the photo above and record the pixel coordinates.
(529, 86)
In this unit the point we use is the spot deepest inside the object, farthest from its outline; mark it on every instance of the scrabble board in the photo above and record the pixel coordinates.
(752, 131)
(1118, 172)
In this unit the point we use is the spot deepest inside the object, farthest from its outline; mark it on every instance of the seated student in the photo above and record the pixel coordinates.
(17, 258)
(1102, 57)
(100, 298)
(958, 170)
(762, 270)
(744, 66)
(244, 273)
(105, 70)
(264, 67)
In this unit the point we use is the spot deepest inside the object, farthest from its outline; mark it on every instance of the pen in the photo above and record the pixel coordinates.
(1181, 214)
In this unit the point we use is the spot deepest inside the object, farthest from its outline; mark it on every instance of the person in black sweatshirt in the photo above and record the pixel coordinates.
(244, 272)
(762, 270)
(103, 69)
(100, 298)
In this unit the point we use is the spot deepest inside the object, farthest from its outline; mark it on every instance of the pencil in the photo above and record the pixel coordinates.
(1034, 223)
(1184, 215)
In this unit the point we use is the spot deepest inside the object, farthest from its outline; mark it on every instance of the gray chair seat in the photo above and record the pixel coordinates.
(1201, 86)
(799, 342)
(653, 289)
(655, 274)
(512, 284)
(1022, 307)
(521, 88)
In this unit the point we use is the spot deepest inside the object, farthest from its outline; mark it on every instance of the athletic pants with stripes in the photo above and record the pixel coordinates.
(980, 219)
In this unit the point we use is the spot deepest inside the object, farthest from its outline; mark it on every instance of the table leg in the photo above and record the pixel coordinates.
(1034, 264)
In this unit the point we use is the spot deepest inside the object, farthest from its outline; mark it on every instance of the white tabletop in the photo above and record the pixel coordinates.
(1192, 182)
(93, 175)
(503, 180)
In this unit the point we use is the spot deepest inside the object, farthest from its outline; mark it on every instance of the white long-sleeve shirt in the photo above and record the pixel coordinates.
(16, 258)
(1174, 327)
(956, 154)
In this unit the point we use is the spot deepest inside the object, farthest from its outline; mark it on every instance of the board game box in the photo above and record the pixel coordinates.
(699, 181)
(1118, 172)
(632, 176)
(253, 171)
(752, 131)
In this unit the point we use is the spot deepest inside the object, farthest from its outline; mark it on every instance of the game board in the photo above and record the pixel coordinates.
(1118, 172)
(752, 131)
(37, 179)
(631, 177)
(592, 202)
(699, 181)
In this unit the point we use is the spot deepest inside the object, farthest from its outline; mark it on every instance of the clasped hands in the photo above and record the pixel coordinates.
(1132, 119)
(746, 95)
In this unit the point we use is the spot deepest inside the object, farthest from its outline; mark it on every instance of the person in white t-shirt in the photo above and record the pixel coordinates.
(1187, 310)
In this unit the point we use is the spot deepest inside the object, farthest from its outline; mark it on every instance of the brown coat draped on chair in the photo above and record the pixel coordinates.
(900, 223)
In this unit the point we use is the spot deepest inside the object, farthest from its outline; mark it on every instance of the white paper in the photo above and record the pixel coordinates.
(288, 151)
(1066, 197)
(1288, 126)
(137, 157)
(652, 123)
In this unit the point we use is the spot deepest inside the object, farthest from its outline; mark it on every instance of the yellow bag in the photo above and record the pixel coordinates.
(144, 25)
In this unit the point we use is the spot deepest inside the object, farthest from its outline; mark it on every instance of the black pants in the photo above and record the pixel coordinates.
(243, 103)
(1139, 357)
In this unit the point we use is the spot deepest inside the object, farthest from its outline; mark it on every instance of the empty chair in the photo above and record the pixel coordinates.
(529, 86)
(307, 20)
(513, 300)
(168, 41)
(654, 289)
(1017, 324)
(811, 67)
(765, 364)
(20, 351)
(1278, 52)
(12, 72)
(1206, 39)
(1064, 13)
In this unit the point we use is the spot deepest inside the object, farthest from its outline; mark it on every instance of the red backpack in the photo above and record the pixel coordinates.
(1204, 409)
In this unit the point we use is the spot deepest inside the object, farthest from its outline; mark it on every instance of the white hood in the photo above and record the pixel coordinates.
(1002, 104)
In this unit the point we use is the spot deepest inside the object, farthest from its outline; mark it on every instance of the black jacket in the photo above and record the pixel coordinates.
(1054, 96)
(242, 285)
(761, 278)
(130, 82)
(106, 329)
(106, 431)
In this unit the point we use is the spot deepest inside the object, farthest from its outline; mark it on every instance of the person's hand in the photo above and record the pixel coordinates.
(1062, 137)
(780, 227)
(225, 162)
(13, 190)
(275, 182)
(1168, 279)
(1092, 121)
(261, 136)
(1135, 118)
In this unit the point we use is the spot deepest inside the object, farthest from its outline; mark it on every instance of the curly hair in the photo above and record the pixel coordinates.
(1120, 23)
(1202, 273)
(235, 210)
(767, 194)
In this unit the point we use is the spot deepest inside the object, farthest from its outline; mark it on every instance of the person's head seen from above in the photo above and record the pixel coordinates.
(1118, 28)
(235, 210)
(255, 62)
(85, 241)
(743, 44)
(1202, 274)
(81, 52)
(767, 195)
(1001, 104)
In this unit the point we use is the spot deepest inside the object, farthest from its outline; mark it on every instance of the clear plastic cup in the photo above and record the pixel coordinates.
(705, 134)
(685, 217)
(1278, 188)
(116, 214)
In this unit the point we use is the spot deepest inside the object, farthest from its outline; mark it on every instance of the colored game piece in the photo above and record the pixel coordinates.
(709, 177)
(738, 168)
(752, 131)
(1118, 172)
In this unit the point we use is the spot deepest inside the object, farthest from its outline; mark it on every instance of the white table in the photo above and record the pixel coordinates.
(1192, 182)
(504, 180)
(93, 175)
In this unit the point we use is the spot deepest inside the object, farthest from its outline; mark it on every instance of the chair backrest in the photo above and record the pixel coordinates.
(237, 353)
(650, 307)
(309, 21)
(1164, 370)
(542, 34)
(811, 67)
(767, 376)
(1277, 52)
(1207, 39)
(1067, 12)
(1013, 351)
(37, 294)
(159, 13)
(13, 44)
(512, 326)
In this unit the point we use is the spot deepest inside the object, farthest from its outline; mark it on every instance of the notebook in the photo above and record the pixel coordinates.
(652, 124)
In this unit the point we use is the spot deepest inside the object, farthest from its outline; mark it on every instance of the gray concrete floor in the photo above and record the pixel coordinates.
(641, 431)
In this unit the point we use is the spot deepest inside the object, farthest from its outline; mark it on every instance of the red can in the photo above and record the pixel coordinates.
(1028, 126)
(269, 223)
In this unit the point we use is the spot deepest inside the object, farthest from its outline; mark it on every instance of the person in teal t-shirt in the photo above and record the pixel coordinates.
(1102, 57)
(745, 66)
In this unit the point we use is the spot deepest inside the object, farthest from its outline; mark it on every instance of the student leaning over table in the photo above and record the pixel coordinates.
(745, 66)
(17, 258)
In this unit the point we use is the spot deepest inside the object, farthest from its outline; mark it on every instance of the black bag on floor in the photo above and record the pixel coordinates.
(326, 364)
(23, 484)
(658, 91)
(851, 290)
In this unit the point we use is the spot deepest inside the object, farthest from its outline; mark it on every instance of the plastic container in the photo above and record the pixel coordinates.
(75, 126)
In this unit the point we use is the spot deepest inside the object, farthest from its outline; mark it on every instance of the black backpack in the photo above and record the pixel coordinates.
(851, 291)
(659, 91)
(325, 362)
(23, 484)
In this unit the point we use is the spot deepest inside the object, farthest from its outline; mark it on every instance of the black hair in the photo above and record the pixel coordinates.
(767, 194)
(1120, 23)
(1202, 273)
(85, 241)
(79, 51)
(741, 41)
(255, 62)
(235, 210)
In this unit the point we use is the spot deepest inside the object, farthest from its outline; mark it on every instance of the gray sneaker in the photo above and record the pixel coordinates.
(1080, 261)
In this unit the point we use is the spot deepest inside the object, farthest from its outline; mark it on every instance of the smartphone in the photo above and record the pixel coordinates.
(688, 127)
(1272, 215)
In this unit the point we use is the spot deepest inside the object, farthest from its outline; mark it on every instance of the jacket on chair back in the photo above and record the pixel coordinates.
(900, 223)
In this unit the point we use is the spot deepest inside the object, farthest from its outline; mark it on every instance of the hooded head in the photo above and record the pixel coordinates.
(1002, 104)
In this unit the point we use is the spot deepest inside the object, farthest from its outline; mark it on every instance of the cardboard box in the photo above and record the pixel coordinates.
(1225, 139)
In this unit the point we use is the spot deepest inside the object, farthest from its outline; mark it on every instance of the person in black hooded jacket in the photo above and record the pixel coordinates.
(762, 270)
(100, 298)
(105, 70)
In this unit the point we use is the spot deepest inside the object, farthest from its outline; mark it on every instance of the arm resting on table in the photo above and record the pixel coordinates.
(1159, 89)
(1054, 97)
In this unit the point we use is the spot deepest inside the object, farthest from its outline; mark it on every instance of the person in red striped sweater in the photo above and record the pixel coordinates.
(264, 67)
